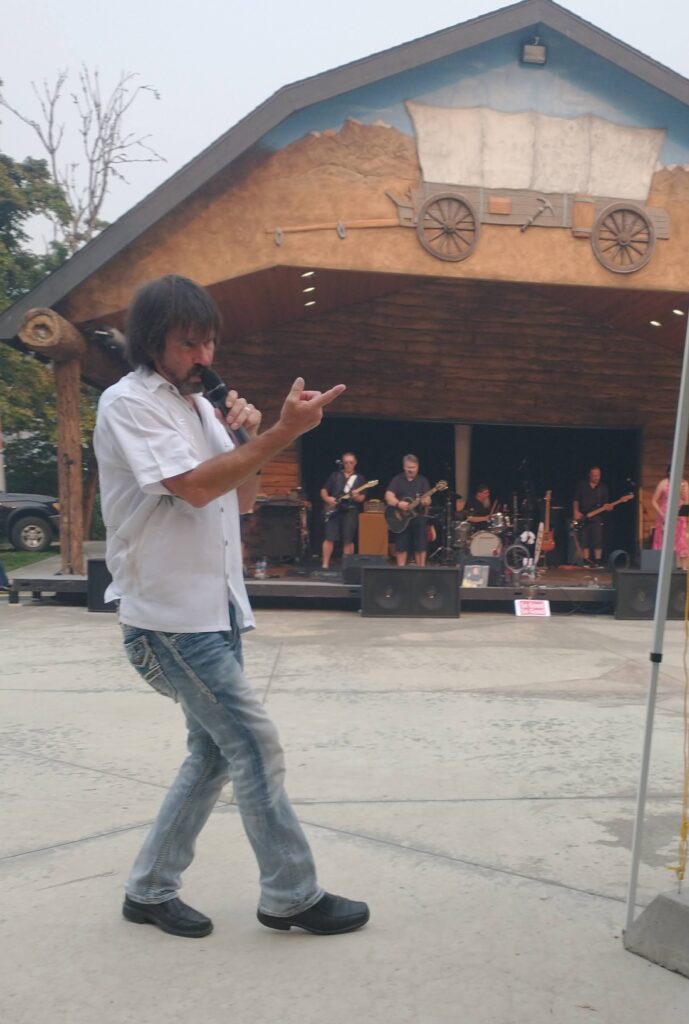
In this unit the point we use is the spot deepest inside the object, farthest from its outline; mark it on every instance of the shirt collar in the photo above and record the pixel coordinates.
(151, 379)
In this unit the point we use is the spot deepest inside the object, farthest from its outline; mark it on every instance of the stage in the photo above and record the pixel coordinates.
(307, 585)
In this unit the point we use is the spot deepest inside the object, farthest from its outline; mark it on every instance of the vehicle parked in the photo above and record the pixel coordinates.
(30, 522)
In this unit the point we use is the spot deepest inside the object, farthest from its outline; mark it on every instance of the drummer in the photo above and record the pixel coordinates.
(479, 507)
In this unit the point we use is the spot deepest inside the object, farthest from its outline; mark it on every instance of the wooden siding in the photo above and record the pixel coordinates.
(485, 353)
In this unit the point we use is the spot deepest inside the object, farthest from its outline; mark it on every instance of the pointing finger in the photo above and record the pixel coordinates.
(332, 394)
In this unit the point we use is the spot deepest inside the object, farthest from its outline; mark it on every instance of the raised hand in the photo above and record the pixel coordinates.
(303, 410)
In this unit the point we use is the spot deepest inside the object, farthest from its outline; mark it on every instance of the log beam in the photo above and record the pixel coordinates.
(49, 334)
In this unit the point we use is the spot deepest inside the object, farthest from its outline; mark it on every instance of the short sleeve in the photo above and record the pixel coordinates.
(149, 442)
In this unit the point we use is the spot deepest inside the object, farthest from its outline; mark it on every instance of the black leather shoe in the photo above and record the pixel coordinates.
(173, 917)
(332, 915)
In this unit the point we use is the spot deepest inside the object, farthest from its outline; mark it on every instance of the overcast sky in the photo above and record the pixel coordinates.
(213, 61)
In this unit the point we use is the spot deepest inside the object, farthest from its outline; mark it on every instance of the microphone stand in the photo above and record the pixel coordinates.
(445, 554)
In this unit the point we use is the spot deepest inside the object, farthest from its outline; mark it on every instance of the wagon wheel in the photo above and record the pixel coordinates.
(447, 227)
(623, 238)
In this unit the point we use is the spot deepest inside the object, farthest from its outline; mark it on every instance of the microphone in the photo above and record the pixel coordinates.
(216, 393)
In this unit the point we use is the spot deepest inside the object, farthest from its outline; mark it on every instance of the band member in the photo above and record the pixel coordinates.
(342, 511)
(401, 490)
(659, 502)
(591, 494)
(173, 486)
(479, 507)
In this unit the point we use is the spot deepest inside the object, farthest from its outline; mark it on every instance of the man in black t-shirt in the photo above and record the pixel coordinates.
(401, 490)
(341, 512)
(478, 508)
(591, 494)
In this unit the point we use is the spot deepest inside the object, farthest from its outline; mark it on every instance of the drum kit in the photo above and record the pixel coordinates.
(461, 538)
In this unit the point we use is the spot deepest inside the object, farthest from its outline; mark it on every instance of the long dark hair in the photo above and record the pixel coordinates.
(162, 306)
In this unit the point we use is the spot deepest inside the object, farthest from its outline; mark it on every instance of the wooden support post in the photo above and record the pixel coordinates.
(67, 383)
(47, 332)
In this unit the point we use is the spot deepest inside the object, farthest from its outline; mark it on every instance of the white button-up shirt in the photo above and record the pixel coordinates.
(174, 568)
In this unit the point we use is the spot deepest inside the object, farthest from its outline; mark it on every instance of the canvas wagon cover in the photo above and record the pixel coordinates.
(477, 146)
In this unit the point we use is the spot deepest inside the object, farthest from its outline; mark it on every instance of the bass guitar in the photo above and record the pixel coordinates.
(398, 520)
(578, 524)
(343, 497)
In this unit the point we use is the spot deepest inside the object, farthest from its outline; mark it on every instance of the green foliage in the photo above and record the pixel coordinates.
(26, 190)
(31, 465)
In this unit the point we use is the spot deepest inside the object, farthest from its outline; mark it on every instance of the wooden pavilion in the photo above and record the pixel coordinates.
(482, 232)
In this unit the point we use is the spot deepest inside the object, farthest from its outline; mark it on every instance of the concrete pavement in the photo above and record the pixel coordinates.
(473, 779)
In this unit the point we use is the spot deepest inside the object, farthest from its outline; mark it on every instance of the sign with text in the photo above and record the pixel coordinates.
(532, 608)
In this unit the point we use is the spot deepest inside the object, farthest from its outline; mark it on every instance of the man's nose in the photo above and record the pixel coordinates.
(204, 355)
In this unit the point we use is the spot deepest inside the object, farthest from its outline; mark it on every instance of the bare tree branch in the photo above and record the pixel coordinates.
(104, 142)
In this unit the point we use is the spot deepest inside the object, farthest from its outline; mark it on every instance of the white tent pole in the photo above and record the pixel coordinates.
(660, 617)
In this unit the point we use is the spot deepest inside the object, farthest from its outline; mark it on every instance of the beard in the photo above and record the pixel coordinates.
(190, 384)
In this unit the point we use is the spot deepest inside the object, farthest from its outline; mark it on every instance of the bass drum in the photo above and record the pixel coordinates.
(485, 543)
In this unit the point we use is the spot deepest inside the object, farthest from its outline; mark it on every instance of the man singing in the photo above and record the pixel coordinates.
(173, 486)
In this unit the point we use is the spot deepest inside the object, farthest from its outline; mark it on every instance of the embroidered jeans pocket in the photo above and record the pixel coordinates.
(143, 659)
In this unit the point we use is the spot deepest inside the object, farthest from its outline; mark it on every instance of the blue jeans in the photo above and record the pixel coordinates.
(229, 737)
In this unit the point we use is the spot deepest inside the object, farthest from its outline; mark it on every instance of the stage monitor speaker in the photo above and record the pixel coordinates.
(98, 579)
(636, 594)
(494, 562)
(352, 566)
(413, 592)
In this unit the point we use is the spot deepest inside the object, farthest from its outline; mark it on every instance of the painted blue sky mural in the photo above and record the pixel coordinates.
(574, 82)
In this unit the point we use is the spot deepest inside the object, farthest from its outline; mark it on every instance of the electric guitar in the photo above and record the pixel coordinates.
(343, 497)
(578, 524)
(548, 542)
(399, 520)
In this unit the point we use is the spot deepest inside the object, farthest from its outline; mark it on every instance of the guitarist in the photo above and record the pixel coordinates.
(343, 524)
(401, 490)
(591, 494)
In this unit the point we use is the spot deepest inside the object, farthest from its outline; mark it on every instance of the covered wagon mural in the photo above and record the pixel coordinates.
(483, 166)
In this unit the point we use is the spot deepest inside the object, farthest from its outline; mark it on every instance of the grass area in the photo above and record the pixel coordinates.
(12, 559)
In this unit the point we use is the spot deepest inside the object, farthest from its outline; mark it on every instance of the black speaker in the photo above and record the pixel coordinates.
(352, 566)
(636, 594)
(494, 562)
(98, 579)
(413, 592)
(273, 532)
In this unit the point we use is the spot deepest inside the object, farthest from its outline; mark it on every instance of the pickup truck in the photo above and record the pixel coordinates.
(30, 522)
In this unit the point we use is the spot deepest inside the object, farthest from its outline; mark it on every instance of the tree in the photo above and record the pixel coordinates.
(71, 194)
(26, 190)
(106, 145)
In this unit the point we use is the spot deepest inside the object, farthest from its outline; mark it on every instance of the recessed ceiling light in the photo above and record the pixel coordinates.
(311, 303)
(654, 323)
(678, 312)
(308, 273)
(311, 289)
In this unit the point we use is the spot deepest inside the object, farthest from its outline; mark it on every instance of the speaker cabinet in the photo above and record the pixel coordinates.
(98, 579)
(273, 532)
(353, 566)
(636, 594)
(412, 592)
(373, 534)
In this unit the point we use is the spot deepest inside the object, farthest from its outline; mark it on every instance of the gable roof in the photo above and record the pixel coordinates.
(292, 98)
